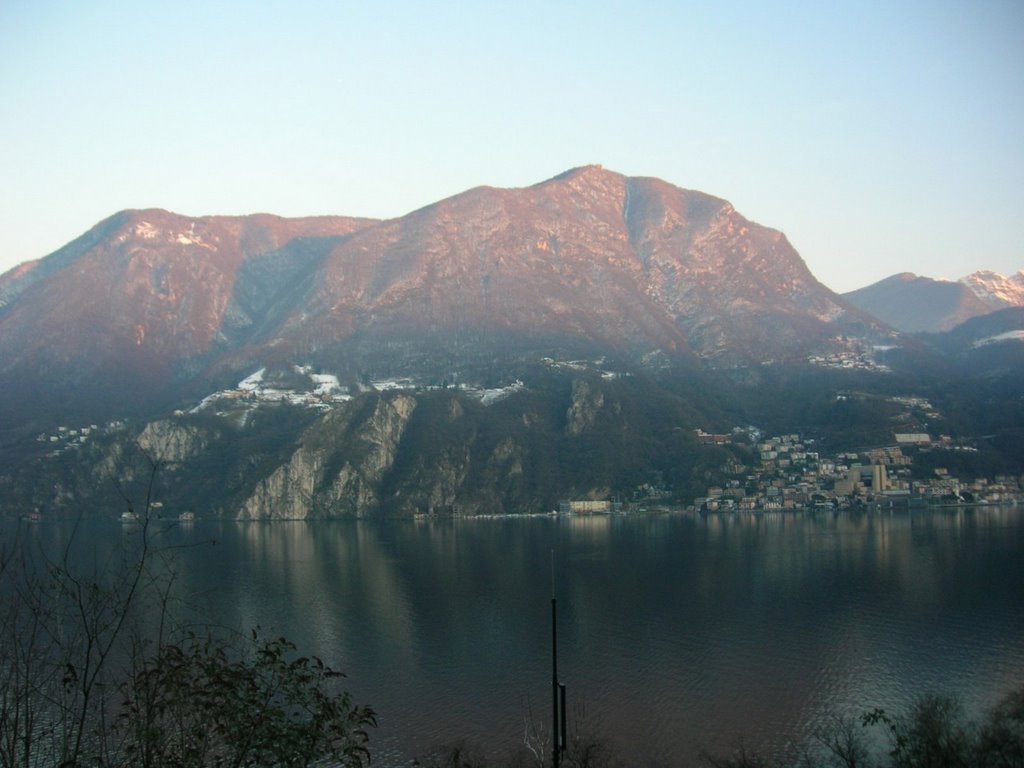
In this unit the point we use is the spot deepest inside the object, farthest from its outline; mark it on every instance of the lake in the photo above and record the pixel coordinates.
(676, 633)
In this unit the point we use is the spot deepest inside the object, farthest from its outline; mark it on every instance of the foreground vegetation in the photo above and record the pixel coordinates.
(99, 667)
(933, 733)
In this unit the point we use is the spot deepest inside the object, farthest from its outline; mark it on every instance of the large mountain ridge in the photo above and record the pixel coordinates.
(497, 350)
(589, 260)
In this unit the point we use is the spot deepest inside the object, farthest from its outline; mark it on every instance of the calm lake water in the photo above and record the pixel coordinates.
(676, 633)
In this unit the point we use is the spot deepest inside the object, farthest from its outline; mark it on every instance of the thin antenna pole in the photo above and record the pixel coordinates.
(552, 574)
(556, 721)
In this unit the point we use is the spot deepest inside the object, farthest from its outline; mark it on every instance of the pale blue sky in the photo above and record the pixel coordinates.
(880, 137)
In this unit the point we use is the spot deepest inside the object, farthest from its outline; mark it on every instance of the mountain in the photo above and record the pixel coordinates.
(633, 265)
(592, 336)
(913, 304)
(151, 309)
(134, 305)
(996, 290)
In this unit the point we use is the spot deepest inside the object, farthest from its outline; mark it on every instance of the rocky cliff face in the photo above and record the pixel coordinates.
(171, 442)
(563, 434)
(586, 404)
(337, 468)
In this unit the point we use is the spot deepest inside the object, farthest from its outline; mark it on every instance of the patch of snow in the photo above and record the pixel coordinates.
(273, 395)
(828, 313)
(146, 230)
(385, 385)
(1007, 336)
(205, 402)
(326, 383)
(491, 396)
(251, 382)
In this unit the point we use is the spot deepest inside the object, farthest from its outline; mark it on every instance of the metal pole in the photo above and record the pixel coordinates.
(556, 720)
(556, 751)
(562, 741)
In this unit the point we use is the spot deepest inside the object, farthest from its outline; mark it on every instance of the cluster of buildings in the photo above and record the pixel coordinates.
(791, 474)
(72, 438)
(851, 354)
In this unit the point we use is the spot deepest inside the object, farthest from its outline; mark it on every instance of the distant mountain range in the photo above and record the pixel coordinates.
(498, 350)
(911, 303)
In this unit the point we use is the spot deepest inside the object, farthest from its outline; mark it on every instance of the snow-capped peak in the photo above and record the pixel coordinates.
(995, 289)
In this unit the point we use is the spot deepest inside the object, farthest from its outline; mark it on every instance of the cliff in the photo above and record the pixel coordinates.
(564, 434)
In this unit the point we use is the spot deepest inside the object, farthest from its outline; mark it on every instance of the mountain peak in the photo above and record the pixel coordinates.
(589, 261)
(592, 170)
(996, 290)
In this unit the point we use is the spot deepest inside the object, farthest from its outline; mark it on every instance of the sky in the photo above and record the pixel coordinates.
(880, 137)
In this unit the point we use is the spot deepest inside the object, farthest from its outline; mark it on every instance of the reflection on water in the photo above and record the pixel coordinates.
(677, 633)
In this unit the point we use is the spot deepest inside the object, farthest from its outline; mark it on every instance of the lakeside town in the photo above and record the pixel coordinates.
(792, 474)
